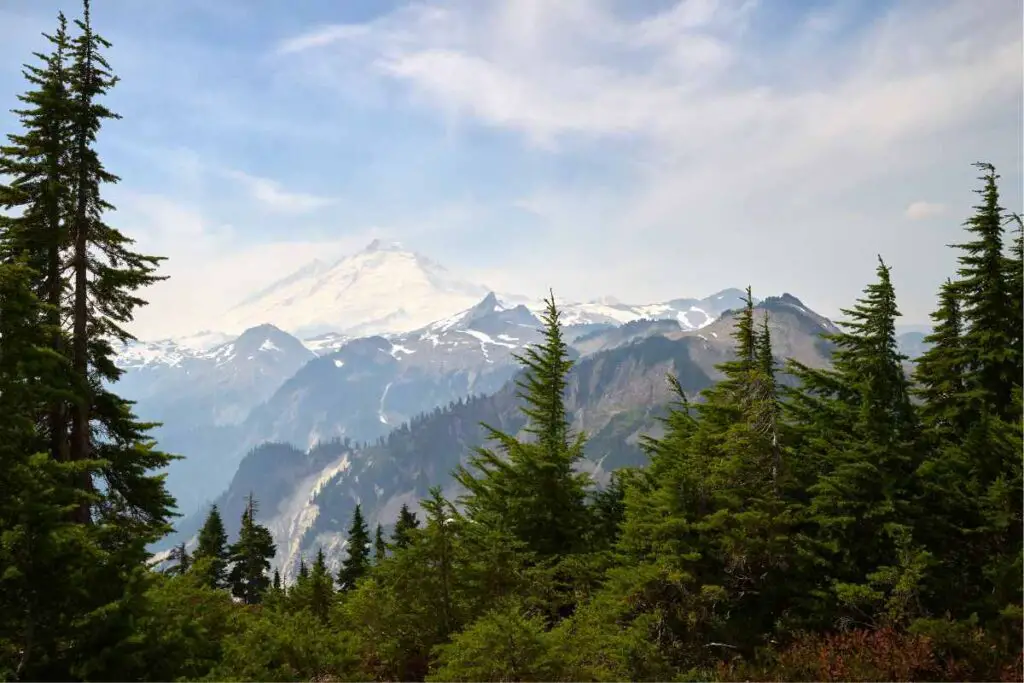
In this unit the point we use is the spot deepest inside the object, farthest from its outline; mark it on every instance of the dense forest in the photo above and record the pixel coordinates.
(856, 524)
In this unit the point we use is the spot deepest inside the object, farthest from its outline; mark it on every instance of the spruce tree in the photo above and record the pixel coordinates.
(407, 521)
(864, 437)
(990, 309)
(106, 277)
(182, 560)
(380, 547)
(44, 555)
(321, 588)
(939, 372)
(356, 564)
(250, 557)
(210, 559)
(529, 486)
(34, 232)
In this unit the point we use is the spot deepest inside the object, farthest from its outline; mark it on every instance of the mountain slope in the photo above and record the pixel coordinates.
(381, 289)
(613, 396)
(201, 395)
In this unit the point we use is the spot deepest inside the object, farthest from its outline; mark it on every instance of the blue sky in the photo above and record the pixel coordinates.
(644, 149)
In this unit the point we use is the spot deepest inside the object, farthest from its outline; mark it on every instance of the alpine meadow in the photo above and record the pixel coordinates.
(375, 469)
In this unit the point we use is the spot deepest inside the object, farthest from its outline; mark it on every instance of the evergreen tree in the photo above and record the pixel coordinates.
(34, 232)
(407, 521)
(529, 487)
(940, 370)
(990, 309)
(42, 554)
(864, 435)
(210, 559)
(355, 566)
(276, 583)
(183, 561)
(321, 588)
(251, 556)
(380, 548)
(106, 277)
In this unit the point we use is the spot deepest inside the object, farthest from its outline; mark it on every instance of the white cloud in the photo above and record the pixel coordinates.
(919, 211)
(210, 266)
(750, 157)
(273, 196)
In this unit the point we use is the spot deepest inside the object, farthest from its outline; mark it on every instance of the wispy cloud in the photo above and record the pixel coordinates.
(787, 140)
(271, 195)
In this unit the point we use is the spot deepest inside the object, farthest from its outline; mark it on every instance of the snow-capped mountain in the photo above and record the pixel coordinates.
(373, 384)
(613, 395)
(199, 394)
(691, 314)
(382, 289)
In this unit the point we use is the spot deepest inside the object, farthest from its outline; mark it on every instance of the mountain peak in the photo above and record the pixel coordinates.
(377, 245)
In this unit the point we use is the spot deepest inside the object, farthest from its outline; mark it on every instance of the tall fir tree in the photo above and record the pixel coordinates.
(250, 558)
(44, 555)
(407, 521)
(107, 275)
(357, 563)
(35, 231)
(865, 438)
(321, 588)
(530, 487)
(939, 372)
(210, 559)
(990, 308)
(380, 546)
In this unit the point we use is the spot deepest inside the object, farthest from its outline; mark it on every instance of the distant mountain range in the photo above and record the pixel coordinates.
(615, 394)
(219, 395)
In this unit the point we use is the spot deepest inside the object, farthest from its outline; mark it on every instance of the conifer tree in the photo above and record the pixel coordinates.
(276, 583)
(380, 548)
(182, 560)
(407, 521)
(34, 233)
(530, 487)
(321, 588)
(865, 427)
(356, 564)
(42, 553)
(106, 277)
(940, 370)
(990, 309)
(210, 559)
(250, 557)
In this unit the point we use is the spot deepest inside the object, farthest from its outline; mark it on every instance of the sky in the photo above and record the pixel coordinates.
(643, 149)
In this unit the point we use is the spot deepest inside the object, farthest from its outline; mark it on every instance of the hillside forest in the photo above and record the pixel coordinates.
(861, 522)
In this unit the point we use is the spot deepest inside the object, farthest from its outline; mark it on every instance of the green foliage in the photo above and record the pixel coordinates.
(250, 557)
(529, 488)
(503, 644)
(357, 563)
(832, 530)
(211, 554)
(407, 521)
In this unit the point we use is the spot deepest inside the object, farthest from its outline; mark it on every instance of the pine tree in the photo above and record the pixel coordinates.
(380, 548)
(182, 560)
(356, 564)
(210, 559)
(251, 556)
(407, 521)
(321, 588)
(990, 309)
(107, 275)
(276, 583)
(35, 233)
(940, 370)
(42, 553)
(864, 435)
(529, 487)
